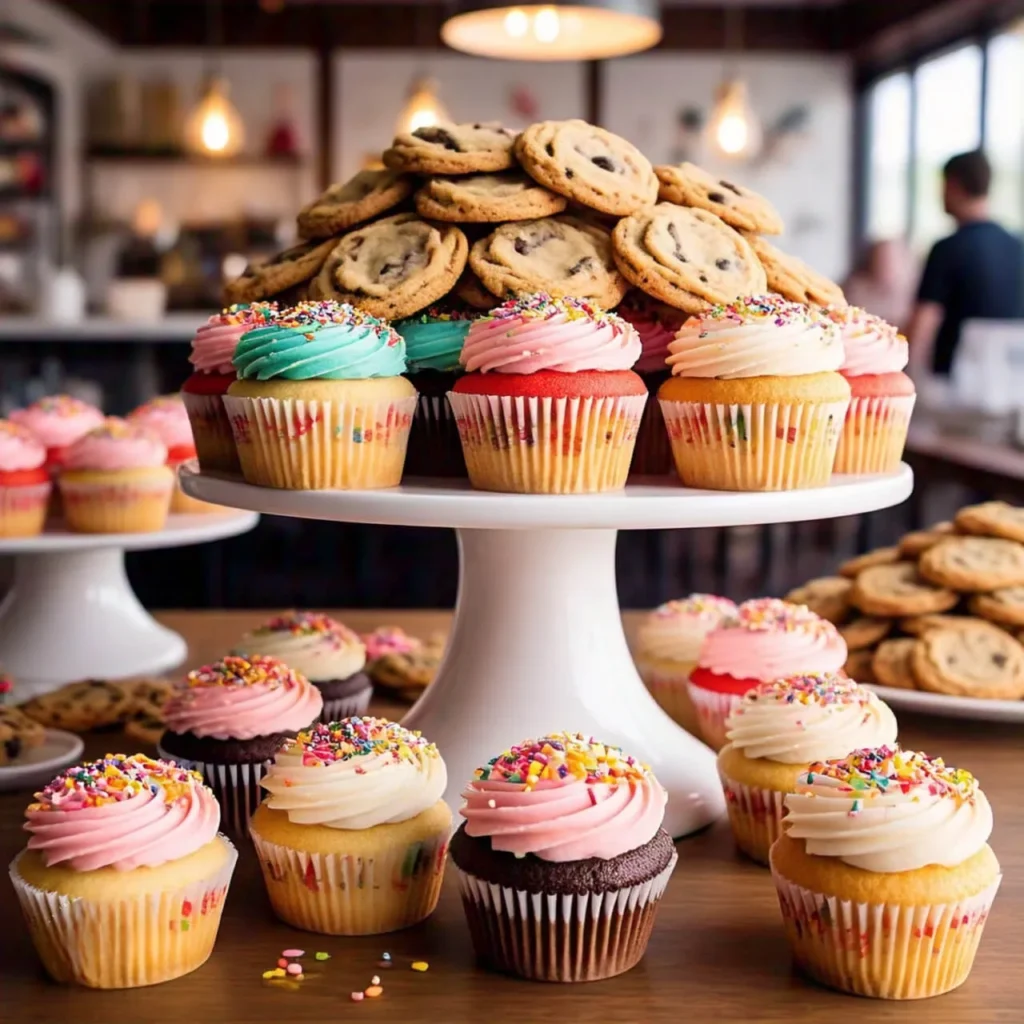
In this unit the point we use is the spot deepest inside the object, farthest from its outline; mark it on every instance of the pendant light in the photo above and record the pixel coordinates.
(422, 108)
(585, 30)
(734, 131)
(214, 128)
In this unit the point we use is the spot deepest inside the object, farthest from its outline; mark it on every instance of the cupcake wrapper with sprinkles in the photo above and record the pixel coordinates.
(434, 445)
(133, 507)
(712, 710)
(211, 430)
(341, 894)
(298, 445)
(874, 434)
(128, 943)
(883, 950)
(669, 689)
(23, 509)
(346, 707)
(561, 938)
(755, 815)
(754, 447)
(547, 445)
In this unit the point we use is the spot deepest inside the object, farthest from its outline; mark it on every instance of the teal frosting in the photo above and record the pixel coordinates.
(433, 343)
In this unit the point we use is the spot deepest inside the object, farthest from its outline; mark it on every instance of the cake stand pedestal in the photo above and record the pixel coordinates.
(537, 642)
(71, 613)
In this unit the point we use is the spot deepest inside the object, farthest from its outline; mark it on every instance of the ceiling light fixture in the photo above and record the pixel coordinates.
(422, 109)
(214, 128)
(584, 30)
(734, 131)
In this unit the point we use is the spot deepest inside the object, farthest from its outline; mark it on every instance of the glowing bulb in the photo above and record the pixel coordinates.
(516, 23)
(732, 134)
(546, 25)
(214, 127)
(422, 110)
(215, 131)
(733, 127)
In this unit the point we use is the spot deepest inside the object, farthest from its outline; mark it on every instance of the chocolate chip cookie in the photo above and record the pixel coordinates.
(80, 707)
(687, 184)
(469, 290)
(487, 198)
(294, 266)
(969, 662)
(558, 255)
(974, 564)
(828, 597)
(688, 258)
(588, 165)
(858, 666)
(1005, 606)
(898, 589)
(144, 717)
(918, 625)
(880, 556)
(393, 267)
(865, 631)
(363, 196)
(917, 542)
(891, 663)
(793, 279)
(992, 519)
(18, 733)
(452, 149)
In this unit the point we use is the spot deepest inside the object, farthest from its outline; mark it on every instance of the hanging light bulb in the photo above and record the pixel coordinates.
(215, 128)
(422, 109)
(733, 128)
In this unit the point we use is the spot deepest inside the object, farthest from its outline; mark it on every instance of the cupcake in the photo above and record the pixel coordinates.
(656, 324)
(115, 479)
(124, 878)
(227, 721)
(433, 344)
(754, 402)
(58, 421)
(549, 404)
(353, 836)
(884, 873)
(668, 643)
(166, 417)
(320, 403)
(24, 482)
(775, 733)
(562, 860)
(882, 395)
(212, 350)
(328, 654)
(768, 639)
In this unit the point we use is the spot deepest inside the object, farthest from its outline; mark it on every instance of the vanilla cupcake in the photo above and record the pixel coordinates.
(884, 873)
(775, 733)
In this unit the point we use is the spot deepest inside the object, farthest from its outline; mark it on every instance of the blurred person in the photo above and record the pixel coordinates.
(883, 282)
(975, 273)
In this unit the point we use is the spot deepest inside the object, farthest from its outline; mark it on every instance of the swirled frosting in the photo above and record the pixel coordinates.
(319, 647)
(166, 417)
(772, 639)
(389, 640)
(214, 344)
(871, 344)
(676, 629)
(564, 797)
(434, 338)
(656, 323)
(884, 809)
(241, 698)
(761, 336)
(809, 718)
(58, 420)
(122, 812)
(537, 333)
(321, 341)
(116, 444)
(19, 448)
(354, 774)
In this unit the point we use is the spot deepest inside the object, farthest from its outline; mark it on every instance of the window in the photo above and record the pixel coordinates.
(1004, 125)
(889, 157)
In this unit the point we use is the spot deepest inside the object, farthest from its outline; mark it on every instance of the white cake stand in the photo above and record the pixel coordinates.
(71, 613)
(537, 642)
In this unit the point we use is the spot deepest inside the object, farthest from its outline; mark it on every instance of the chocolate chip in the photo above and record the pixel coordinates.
(478, 126)
(716, 197)
(703, 279)
(677, 252)
(604, 163)
(549, 149)
(999, 660)
(521, 246)
(570, 173)
(582, 264)
(723, 264)
(437, 135)
(12, 747)
(731, 187)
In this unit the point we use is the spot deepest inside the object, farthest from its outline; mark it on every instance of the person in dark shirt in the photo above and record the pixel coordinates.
(975, 273)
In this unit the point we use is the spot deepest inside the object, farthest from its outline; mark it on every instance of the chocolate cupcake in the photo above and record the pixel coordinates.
(228, 720)
(330, 655)
(569, 817)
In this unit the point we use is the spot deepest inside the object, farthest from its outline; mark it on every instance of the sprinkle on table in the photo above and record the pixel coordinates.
(235, 670)
(321, 956)
(373, 991)
(356, 997)
(420, 965)
(329, 742)
(293, 952)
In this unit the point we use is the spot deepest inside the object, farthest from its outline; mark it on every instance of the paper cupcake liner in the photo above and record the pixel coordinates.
(669, 689)
(23, 509)
(343, 894)
(346, 707)
(653, 453)
(547, 445)
(135, 506)
(434, 445)
(755, 815)
(211, 431)
(561, 937)
(713, 709)
(883, 950)
(298, 445)
(874, 434)
(139, 940)
(754, 447)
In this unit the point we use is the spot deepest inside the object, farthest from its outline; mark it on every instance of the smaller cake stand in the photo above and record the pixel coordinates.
(71, 613)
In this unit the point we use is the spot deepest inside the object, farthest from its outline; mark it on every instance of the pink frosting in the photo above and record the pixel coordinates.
(19, 448)
(215, 342)
(872, 345)
(771, 639)
(656, 324)
(389, 640)
(167, 418)
(58, 420)
(114, 445)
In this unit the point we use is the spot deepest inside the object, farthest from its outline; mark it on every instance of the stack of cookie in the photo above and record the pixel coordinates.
(942, 611)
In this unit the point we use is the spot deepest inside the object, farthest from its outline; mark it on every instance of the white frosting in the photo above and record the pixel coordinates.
(675, 630)
(320, 656)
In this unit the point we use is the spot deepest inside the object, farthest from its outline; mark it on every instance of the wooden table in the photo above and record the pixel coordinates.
(718, 951)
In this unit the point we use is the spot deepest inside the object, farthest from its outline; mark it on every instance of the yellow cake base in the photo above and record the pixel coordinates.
(121, 501)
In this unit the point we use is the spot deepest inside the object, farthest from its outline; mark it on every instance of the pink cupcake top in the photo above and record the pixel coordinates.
(537, 333)
(772, 639)
(122, 812)
(58, 420)
(216, 340)
(241, 698)
(166, 417)
(19, 448)
(389, 640)
(656, 323)
(564, 797)
(872, 345)
(760, 336)
(114, 445)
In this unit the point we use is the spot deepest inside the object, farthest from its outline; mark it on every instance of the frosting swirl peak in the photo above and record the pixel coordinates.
(215, 341)
(676, 629)
(319, 647)
(871, 344)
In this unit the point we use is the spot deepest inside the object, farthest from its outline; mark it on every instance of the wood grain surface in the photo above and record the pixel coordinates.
(717, 954)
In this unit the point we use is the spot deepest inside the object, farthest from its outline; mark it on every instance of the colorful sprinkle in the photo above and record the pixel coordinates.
(311, 317)
(705, 606)
(235, 670)
(375, 980)
(356, 997)
(294, 968)
(64, 406)
(389, 640)
(420, 965)
(385, 956)
(775, 308)
(826, 689)
(267, 975)
(330, 742)
(443, 313)
(541, 306)
(293, 952)
(249, 314)
(308, 624)
(373, 991)
(322, 956)
(770, 615)
(282, 962)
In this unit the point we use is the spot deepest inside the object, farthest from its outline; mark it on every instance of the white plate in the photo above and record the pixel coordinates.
(35, 767)
(974, 708)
